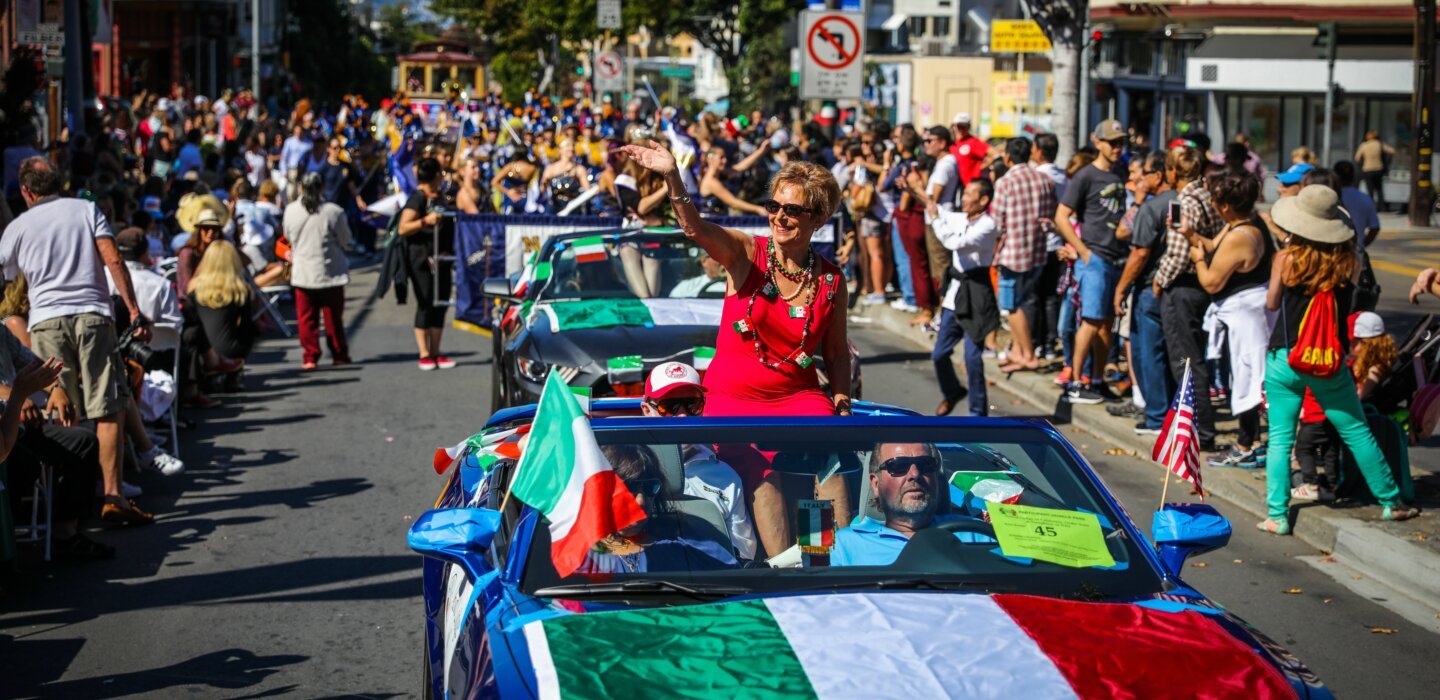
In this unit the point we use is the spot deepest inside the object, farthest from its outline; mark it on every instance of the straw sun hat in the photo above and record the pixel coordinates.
(1315, 214)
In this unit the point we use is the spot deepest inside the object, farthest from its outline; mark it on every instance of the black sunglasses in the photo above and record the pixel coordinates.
(644, 487)
(793, 211)
(690, 406)
(900, 466)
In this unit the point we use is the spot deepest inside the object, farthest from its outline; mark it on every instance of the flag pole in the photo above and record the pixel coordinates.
(1163, 490)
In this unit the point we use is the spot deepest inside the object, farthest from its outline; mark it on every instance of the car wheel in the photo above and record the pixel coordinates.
(497, 389)
(426, 685)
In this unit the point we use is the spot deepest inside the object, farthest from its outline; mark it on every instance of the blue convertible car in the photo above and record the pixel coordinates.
(1023, 577)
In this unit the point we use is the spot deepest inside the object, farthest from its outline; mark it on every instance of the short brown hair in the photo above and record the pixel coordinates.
(269, 190)
(39, 175)
(1186, 162)
(822, 192)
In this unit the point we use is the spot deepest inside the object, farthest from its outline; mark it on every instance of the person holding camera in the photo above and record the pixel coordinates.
(418, 220)
(968, 310)
(62, 244)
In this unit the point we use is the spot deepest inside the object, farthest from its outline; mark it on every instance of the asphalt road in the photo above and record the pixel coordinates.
(277, 565)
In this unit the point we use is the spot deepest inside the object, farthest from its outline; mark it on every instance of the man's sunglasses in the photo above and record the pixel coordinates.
(900, 466)
(693, 406)
(649, 488)
(793, 211)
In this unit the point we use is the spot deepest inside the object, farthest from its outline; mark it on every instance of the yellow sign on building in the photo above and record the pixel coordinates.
(1017, 36)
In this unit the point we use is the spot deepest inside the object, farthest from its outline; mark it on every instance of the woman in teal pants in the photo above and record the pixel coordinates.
(1319, 256)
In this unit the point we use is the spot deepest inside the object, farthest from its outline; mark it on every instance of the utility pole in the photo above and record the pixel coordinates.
(1422, 192)
(255, 50)
(1328, 40)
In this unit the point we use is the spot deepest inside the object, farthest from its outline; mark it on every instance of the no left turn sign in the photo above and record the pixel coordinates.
(609, 71)
(831, 67)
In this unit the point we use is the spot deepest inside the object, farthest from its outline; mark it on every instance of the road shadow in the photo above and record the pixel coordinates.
(886, 358)
(283, 581)
(229, 669)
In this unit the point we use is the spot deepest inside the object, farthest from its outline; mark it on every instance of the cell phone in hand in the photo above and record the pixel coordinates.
(1174, 214)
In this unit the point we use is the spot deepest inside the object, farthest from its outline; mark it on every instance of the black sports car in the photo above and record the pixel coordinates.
(603, 309)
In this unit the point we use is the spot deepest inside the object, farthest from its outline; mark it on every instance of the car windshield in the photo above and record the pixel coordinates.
(632, 266)
(867, 507)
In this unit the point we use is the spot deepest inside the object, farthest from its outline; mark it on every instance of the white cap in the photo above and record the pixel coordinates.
(1369, 325)
(961, 118)
(670, 377)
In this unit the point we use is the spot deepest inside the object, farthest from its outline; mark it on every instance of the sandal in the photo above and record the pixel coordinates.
(126, 514)
(1274, 527)
(1399, 512)
(79, 546)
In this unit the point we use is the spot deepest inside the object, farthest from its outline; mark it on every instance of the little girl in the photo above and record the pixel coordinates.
(1372, 352)
(1315, 442)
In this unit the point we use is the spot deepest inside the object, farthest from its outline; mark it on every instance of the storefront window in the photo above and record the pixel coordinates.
(1292, 135)
(1343, 124)
(1258, 118)
(1392, 118)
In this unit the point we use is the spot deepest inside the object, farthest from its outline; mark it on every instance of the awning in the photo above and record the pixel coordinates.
(894, 22)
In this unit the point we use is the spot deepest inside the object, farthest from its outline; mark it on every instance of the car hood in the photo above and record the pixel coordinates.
(900, 644)
(665, 337)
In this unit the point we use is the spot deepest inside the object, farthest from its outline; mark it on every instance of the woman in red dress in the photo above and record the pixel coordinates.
(784, 306)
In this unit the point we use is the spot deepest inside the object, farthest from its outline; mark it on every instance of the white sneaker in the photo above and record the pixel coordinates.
(161, 461)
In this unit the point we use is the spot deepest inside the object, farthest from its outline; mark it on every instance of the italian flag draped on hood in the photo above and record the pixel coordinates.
(563, 474)
(897, 645)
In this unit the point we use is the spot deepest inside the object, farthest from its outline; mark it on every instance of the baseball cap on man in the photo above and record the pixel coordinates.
(152, 207)
(1294, 174)
(1109, 130)
(670, 377)
(961, 118)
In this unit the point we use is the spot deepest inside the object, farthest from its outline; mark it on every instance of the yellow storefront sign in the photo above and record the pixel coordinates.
(1017, 36)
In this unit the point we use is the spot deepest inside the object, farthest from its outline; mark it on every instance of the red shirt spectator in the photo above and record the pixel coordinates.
(968, 150)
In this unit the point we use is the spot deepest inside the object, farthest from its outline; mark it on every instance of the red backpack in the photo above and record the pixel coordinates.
(1317, 350)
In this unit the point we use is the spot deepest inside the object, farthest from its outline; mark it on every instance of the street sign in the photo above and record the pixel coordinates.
(607, 14)
(677, 72)
(831, 57)
(1017, 36)
(609, 72)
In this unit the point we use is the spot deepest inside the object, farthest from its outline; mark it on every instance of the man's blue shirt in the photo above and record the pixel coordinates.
(868, 542)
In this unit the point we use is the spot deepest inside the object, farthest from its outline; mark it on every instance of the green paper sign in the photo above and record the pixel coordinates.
(625, 362)
(1063, 537)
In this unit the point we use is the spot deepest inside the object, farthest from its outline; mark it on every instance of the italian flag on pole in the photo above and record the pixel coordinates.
(563, 474)
(897, 645)
(590, 249)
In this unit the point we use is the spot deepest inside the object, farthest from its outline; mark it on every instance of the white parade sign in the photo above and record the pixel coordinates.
(832, 65)
(607, 14)
(609, 72)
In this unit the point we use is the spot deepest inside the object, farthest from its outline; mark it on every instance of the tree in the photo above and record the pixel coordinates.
(746, 35)
(332, 54)
(1063, 21)
(398, 31)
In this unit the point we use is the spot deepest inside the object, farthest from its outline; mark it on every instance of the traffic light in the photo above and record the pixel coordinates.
(1326, 36)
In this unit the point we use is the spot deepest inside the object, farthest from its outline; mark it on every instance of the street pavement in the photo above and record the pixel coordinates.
(278, 564)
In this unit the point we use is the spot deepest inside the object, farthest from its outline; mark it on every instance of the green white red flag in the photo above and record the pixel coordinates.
(563, 474)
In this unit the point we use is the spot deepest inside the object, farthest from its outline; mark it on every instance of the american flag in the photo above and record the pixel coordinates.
(1177, 448)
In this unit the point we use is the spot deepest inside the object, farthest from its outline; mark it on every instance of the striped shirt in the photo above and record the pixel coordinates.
(1024, 203)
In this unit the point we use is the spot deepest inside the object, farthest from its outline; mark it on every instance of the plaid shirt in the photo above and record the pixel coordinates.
(1199, 214)
(1024, 203)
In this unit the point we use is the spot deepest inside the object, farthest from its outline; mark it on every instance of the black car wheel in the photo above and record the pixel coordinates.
(497, 386)
(426, 691)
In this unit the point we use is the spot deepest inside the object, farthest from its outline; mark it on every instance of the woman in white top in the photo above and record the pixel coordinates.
(319, 270)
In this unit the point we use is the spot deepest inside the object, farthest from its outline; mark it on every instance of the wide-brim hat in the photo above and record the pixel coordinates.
(1315, 214)
(192, 205)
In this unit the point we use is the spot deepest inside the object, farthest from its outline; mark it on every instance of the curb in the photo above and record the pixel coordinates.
(1407, 566)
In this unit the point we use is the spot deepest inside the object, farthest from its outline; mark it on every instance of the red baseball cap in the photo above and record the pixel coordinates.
(671, 377)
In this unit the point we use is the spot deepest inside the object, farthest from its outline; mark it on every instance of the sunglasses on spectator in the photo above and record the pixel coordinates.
(689, 406)
(793, 211)
(649, 488)
(900, 466)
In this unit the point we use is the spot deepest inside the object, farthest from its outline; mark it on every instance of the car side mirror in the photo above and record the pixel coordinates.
(1182, 530)
(457, 535)
(499, 287)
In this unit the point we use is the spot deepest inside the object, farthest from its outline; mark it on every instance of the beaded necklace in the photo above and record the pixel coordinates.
(808, 285)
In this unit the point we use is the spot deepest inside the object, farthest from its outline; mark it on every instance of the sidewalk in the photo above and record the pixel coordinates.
(1404, 555)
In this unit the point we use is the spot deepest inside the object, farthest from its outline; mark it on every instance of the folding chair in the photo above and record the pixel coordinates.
(169, 338)
(38, 531)
(269, 306)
